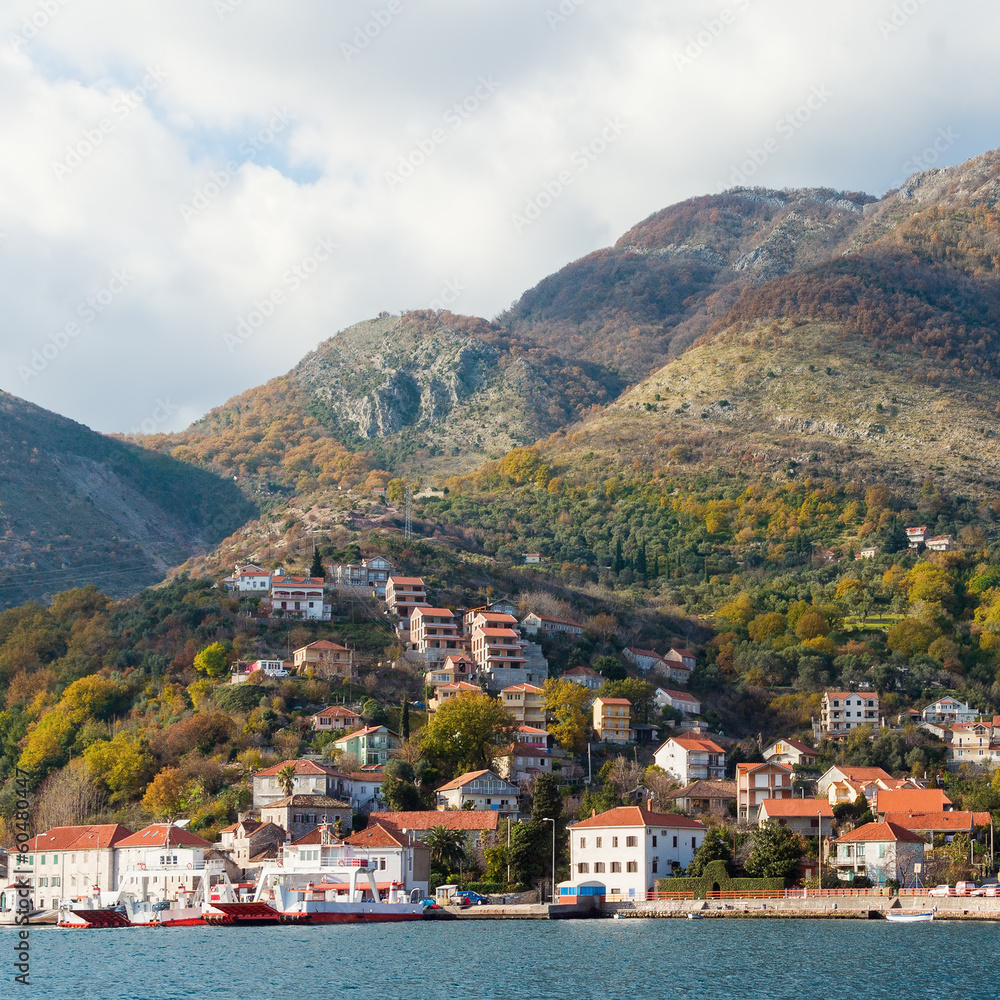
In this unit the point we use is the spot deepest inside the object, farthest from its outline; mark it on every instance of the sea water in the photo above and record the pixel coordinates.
(514, 960)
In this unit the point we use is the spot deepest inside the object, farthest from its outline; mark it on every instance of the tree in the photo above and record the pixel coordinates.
(610, 667)
(316, 569)
(603, 626)
(617, 563)
(165, 793)
(546, 802)
(625, 776)
(715, 847)
(399, 786)
(213, 661)
(639, 693)
(447, 847)
(404, 720)
(466, 733)
(286, 778)
(568, 704)
(775, 852)
(123, 765)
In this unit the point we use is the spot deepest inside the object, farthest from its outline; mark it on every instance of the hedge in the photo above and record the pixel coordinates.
(717, 874)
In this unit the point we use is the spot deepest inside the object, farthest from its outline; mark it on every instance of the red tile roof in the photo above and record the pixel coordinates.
(862, 773)
(365, 732)
(164, 835)
(324, 644)
(691, 743)
(798, 745)
(684, 652)
(451, 819)
(80, 838)
(613, 701)
(464, 779)
(879, 833)
(751, 767)
(798, 807)
(301, 767)
(377, 835)
(939, 822)
(406, 580)
(681, 696)
(526, 688)
(441, 612)
(581, 672)
(914, 800)
(640, 816)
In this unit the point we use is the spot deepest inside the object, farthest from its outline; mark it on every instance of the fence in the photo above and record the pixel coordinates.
(874, 893)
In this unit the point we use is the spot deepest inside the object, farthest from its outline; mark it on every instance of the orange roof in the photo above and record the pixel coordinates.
(452, 819)
(464, 779)
(81, 838)
(365, 732)
(409, 580)
(164, 835)
(459, 686)
(301, 767)
(527, 688)
(923, 800)
(863, 773)
(324, 644)
(936, 821)
(798, 745)
(506, 633)
(690, 743)
(797, 807)
(424, 610)
(376, 835)
(679, 695)
(747, 768)
(613, 701)
(640, 816)
(338, 712)
(878, 833)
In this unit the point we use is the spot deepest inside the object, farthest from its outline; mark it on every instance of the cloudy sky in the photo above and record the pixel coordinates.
(194, 193)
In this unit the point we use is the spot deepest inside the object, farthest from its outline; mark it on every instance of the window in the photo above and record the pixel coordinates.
(598, 841)
(631, 841)
(598, 867)
(631, 866)
(616, 867)
(881, 850)
(694, 844)
(583, 841)
(656, 865)
(614, 841)
(654, 840)
(56, 881)
(675, 841)
(583, 868)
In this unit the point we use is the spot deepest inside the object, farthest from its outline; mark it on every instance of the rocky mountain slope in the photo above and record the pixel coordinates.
(78, 507)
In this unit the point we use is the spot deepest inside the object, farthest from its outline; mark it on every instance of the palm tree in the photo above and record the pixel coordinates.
(447, 846)
(286, 778)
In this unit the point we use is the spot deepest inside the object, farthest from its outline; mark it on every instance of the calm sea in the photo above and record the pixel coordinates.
(516, 960)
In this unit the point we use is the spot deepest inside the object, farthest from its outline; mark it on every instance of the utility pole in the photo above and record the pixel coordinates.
(549, 819)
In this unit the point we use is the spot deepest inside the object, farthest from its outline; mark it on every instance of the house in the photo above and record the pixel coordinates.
(916, 536)
(532, 558)
(706, 797)
(248, 578)
(445, 692)
(310, 778)
(526, 703)
(842, 772)
(454, 670)
(269, 668)
(404, 593)
(975, 743)
(612, 718)
(397, 860)
(532, 623)
(370, 745)
(685, 657)
(299, 814)
(688, 758)
(69, 862)
(630, 847)
(843, 711)
(791, 752)
(806, 817)
(475, 824)
(584, 676)
(643, 659)
(685, 703)
(434, 633)
(756, 782)
(500, 659)
(948, 711)
(867, 553)
(678, 664)
(299, 597)
(159, 860)
(364, 789)
(879, 851)
(504, 607)
(325, 658)
(487, 619)
(483, 789)
(945, 824)
(248, 838)
(334, 717)
(940, 543)
(910, 800)
(370, 574)
(530, 754)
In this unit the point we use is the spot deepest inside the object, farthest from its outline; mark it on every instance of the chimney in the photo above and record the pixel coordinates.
(649, 803)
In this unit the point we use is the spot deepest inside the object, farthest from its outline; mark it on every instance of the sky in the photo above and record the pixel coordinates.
(195, 193)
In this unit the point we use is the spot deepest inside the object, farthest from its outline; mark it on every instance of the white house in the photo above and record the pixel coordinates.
(298, 597)
(69, 862)
(688, 758)
(532, 623)
(948, 711)
(975, 743)
(160, 859)
(940, 543)
(584, 676)
(791, 752)
(843, 711)
(643, 659)
(310, 778)
(880, 851)
(681, 700)
(916, 536)
(249, 578)
(630, 847)
(482, 790)
(806, 817)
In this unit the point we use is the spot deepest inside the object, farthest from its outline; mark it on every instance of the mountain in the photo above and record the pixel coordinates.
(77, 507)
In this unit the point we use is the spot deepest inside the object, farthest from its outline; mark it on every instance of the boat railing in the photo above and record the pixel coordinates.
(798, 893)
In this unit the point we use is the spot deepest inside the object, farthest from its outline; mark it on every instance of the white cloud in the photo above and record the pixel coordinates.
(564, 67)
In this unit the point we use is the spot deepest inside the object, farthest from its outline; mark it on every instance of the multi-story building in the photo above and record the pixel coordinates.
(879, 851)
(370, 745)
(688, 758)
(500, 659)
(806, 817)
(249, 578)
(526, 703)
(529, 755)
(69, 862)
(335, 717)
(454, 670)
(404, 593)
(298, 597)
(843, 711)
(487, 619)
(756, 782)
(434, 633)
(299, 814)
(949, 711)
(916, 536)
(627, 849)
(247, 838)
(975, 743)
(309, 778)
(643, 659)
(679, 664)
(445, 692)
(159, 860)
(325, 658)
(686, 704)
(480, 790)
(613, 719)
(369, 574)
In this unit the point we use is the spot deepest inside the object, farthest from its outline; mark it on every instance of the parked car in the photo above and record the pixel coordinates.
(430, 904)
(942, 890)
(965, 888)
(470, 898)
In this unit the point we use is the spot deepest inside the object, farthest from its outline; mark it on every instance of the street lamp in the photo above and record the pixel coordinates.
(549, 819)
(819, 849)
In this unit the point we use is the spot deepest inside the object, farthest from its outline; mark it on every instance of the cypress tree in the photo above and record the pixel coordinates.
(317, 564)
(404, 720)
(617, 564)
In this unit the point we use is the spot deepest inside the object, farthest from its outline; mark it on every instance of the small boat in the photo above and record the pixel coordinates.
(909, 917)
(694, 916)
